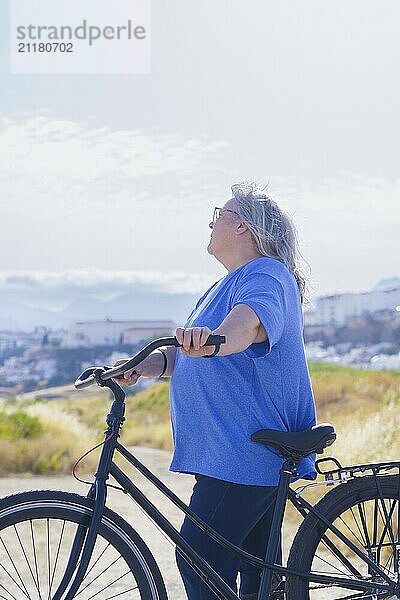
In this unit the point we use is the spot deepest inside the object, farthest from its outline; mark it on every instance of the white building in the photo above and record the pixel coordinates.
(10, 340)
(110, 333)
(333, 310)
(384, 361)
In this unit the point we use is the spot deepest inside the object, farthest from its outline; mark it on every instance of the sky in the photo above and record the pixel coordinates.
(120, 173)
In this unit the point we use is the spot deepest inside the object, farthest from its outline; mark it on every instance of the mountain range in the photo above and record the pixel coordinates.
(27, 302)
(55, 300)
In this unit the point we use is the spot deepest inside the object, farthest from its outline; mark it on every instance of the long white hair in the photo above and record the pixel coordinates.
(273, 230)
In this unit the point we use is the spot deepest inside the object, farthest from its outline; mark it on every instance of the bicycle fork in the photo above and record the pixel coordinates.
(85, 538)
(83, 545)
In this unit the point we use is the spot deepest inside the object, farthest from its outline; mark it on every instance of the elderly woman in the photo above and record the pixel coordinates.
(259, 379)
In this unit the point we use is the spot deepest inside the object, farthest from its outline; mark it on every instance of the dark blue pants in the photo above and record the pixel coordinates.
(240, 513)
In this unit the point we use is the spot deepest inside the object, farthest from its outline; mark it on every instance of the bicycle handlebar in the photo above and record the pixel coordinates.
(90, 375)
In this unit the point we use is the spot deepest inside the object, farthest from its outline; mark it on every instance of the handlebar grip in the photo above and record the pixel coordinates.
(85, 379)
(215, 340)
(88, 377)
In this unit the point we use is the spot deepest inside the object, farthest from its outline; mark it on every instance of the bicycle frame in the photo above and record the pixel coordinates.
(85, 537)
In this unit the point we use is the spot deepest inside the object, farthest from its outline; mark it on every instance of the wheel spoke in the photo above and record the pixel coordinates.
(360, 596)
(336, 569)
(387, 526)
(355, 595)
(366, 513)
(14, 581)
(363, 541)
(99, 575)
(109, 585)
(7, 592)
(375, 529)
(15, 568)
(361, 512)
(57, 556)
(48, 557)
(330, 545)
(351, 531)
(35, 559)
(381, 528)
(26, 557)
(385, 567)
(121, 593)
(95, 562)
(36, 539)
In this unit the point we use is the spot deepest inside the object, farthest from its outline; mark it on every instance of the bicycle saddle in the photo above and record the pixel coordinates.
(297, 444)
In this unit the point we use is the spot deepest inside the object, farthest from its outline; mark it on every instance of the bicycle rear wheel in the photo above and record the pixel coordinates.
(36, 533)
(368, 520)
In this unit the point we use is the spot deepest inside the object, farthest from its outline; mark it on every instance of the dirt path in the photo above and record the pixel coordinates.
(158, 462)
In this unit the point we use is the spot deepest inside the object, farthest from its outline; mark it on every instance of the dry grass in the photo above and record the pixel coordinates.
(55, 450)
(72, 423)
(147, 416)
(363, 406)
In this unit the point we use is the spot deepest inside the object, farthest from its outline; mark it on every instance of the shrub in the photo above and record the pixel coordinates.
(51, 463)
(42, 440)
(19, 425)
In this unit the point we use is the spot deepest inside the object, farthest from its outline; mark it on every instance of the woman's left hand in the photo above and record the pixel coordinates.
(193, 340)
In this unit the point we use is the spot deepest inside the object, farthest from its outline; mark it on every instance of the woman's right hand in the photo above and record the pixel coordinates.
(151, 366)
(129, 377)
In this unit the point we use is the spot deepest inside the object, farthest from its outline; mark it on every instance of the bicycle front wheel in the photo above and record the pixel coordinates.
(36, 534)
(369, 519)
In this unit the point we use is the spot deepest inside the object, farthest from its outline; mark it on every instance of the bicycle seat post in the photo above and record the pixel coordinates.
(287, 472)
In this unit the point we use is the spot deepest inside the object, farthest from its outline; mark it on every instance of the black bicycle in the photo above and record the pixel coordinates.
(58, 546)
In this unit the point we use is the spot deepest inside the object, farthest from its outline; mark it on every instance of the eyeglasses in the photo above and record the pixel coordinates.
(218, 211)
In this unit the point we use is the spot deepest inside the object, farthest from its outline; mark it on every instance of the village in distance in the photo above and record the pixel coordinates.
(354, 329)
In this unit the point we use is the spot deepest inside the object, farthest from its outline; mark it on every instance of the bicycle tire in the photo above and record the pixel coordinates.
(122, 566)
(357, 510)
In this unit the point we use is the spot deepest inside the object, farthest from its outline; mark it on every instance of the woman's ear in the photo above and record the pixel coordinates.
(241, 228)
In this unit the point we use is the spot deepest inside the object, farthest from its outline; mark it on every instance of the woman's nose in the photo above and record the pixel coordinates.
(211, 224)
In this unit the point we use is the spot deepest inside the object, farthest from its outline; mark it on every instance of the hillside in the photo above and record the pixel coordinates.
(45, 432)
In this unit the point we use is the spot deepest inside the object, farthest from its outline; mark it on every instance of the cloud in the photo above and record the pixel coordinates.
(79, 194)
(106, 283)
(54, 156)
(349, 230)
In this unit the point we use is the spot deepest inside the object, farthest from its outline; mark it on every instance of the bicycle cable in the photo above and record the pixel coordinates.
(73, 470)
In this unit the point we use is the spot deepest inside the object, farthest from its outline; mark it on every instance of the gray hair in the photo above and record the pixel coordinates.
(272, 230)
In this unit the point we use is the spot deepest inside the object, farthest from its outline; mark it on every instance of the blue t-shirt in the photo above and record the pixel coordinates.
(217, 403)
